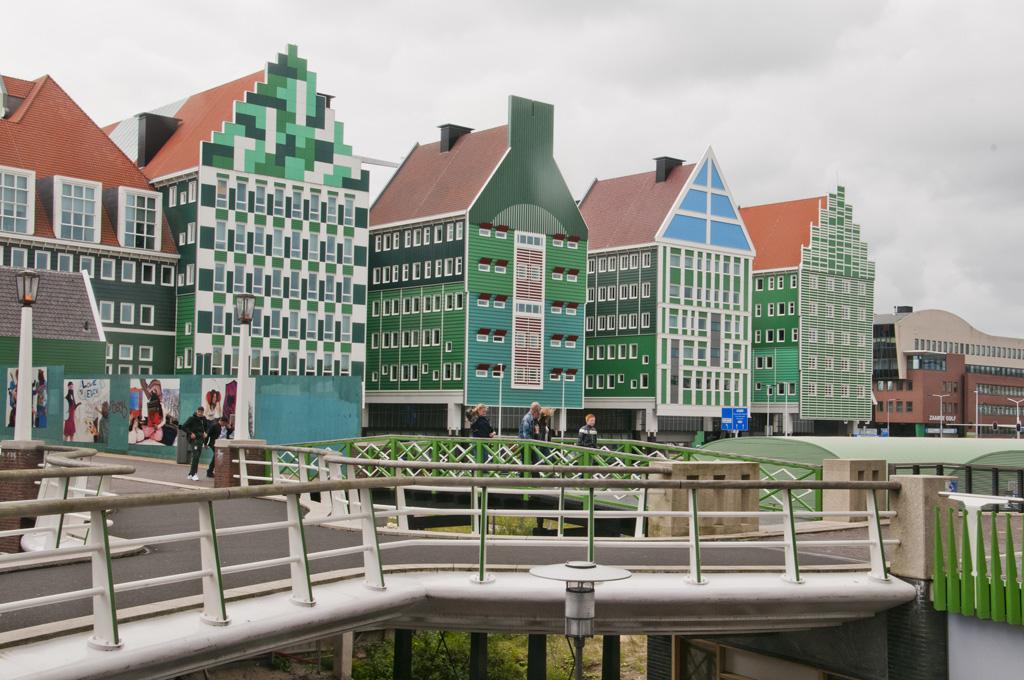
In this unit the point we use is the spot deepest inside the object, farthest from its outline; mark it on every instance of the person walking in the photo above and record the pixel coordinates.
(529, 427)
(479, 425)
(195, 430)
(219, 429)
(588, 433)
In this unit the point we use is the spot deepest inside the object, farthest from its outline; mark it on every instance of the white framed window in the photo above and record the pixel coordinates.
(260, 202)
(139, 216)
(76, 209)
(148, 272)
(166, 275)
(19, 258)
(145, 353)
(107, 269)
(65, 262)
(127, 313)
(190, 232)
(17, 200)
(128, 271)
(125, 352)
(106, 312)
(192, 188)
(42, 259)
(219, 277)
(146, 315)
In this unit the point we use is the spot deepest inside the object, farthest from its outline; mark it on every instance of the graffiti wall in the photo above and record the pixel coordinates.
(87, 410)
(40, 397)
(153, 411)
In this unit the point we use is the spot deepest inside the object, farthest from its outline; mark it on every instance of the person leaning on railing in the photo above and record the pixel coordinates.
(479, 425)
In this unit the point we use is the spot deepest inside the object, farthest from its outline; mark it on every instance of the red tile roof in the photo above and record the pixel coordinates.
(201, 115)
(629, 210)
(778, 230)
(433, 183)
(51, 135)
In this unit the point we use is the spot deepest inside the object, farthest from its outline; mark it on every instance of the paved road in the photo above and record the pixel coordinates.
(183, 556)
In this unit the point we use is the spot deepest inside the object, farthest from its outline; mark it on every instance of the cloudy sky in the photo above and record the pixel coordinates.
(916, 107)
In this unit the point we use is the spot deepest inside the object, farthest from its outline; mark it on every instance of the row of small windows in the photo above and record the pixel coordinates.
(271, 362)
(412, 373)
(780, 309)
(997, 351)
(127, 353)
(77, 209)
(610, 381)
(612, 352)
(131, 271)
(275, 323)
(775, 282)
(700, 353)
(775, 335)
(895, 406)
(611, 322)
(283, 202)
(700, 294)
(174, 198)
(814, 282)
(293, 284)
(706, 262)
(897, 385)
(828, 311)
(425, 337)
(776, 389)
(685, 321)
(994, 370)
(415, 304)
(624, 262)
(430, 269)
(126, 313)
(831, 363)
(275, 242)
(829, 390)
(418, 236)
(830, 337)
(709, 383)
(625, 291)
(1001, 390)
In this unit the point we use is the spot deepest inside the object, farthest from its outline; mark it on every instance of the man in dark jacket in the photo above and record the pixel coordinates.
(195, 430)
(219, 429)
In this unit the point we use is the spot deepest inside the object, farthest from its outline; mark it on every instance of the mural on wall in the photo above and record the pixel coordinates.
(39, 397)
(87, 410)
(153, 410)
(219, 396)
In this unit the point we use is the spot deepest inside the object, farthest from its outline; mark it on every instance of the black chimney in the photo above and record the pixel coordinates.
(664, 165)
(450, 134)
(154, 131)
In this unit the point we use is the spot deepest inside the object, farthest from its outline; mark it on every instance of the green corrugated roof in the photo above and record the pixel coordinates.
(893, 450)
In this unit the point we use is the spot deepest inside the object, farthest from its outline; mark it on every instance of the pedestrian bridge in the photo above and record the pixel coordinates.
(356, 507)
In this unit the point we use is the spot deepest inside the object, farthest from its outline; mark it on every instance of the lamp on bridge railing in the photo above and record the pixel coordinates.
(245, 308)
(28, 289)
(579, 578)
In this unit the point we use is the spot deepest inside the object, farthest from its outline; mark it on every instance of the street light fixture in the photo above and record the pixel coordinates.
(942, 413)
(1017, 403)
(245, 308)
(27, 283)
(579, 578)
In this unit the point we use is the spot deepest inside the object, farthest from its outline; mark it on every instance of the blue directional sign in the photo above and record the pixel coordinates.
(734, 419)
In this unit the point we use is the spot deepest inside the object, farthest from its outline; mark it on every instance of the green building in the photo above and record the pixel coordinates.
(263, 196)
(477, 280)
(70, 201)
(668, 300)
(812, 317)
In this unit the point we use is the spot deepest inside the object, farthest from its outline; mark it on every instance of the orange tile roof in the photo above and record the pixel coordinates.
(201, 115)
(433, 183)
(626, 211)
(780, 229)
(51, 135)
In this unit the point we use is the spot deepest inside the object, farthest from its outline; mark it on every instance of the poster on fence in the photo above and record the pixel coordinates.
(153, 411)
(87, 410)
(39, 403)
(219, 397)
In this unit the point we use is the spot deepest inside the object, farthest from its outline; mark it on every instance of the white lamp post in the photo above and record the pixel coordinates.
(501, 385)
(579, 578)
(942, 413)
(28, 288)
(245, 305)
(1017, 403)
(977, 419)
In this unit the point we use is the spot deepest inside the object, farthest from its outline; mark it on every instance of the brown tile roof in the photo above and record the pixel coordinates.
(62, 312)
(629, 210)
(433, 183)
(778, 230)
(51, 135)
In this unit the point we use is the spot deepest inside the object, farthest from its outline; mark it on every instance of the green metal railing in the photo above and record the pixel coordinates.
(976, 583)
(611, 455)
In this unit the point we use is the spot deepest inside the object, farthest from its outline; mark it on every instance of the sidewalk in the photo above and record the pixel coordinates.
(152, 472)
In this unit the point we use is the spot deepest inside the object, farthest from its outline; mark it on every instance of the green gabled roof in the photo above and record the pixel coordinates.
(903, 450)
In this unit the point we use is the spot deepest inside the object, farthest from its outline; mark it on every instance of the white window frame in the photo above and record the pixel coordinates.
(142, 315)
(128, 271)
(58, 184)
(122, 204)
(121, 315)
(30, 209)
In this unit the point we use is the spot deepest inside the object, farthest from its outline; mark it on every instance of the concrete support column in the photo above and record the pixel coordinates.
(611, 660)
(454, 424)
(343, 655)
(401, 669)
(725, 500)
(651, 424)
(225, 461)
(851, 470)
(18, 455)
(364, 416)
(537, 657)
(787, 424)
(478, 656)
(914, 523)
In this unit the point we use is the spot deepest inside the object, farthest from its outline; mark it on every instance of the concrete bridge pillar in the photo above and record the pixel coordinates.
(18, 455)
(537, 657)
(401, 668)
(478, 656)
(850, 470)
(611, 658)
(728, 500)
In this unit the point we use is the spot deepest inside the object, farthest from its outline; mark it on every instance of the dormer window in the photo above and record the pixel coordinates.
(17, 206)
(138, 218)
(77, 209)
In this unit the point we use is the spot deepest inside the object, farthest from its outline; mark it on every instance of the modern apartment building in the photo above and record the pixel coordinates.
(668, 299)
(812, 309)
(263, 196)
(477, 281)
(933, 369)
(70, 201)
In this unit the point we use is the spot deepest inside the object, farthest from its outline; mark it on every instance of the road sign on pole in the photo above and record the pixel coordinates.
(735, 419)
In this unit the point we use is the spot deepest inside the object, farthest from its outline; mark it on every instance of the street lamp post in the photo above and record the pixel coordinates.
(942, 413)
(977, 419)
(1017, 403)
(28, 289)
(245, 305)
(501, 385)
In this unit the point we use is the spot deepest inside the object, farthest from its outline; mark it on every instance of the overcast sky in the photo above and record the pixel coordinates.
(916, 107)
